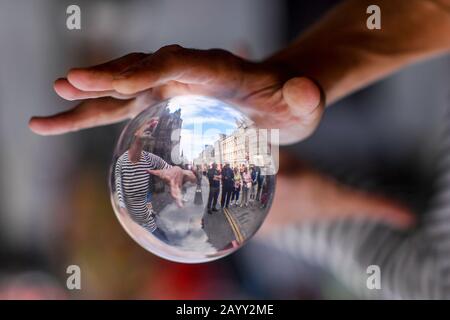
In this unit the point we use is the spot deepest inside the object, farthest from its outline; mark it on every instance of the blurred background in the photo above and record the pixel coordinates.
(54, 203)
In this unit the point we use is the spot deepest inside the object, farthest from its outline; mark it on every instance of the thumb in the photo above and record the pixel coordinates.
(306, 104)
(303, 97)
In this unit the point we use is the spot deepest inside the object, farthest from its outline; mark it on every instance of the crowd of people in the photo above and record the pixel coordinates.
(238, 186)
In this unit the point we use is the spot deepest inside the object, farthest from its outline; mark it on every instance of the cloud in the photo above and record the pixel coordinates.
(199, 106)
(203, 119)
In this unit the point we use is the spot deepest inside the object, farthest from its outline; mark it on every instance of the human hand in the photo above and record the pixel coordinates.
(189, 176)
(174, 177)
(121, 88)
(304, 195)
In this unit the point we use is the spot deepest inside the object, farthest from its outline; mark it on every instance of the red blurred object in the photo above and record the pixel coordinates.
(189, 282)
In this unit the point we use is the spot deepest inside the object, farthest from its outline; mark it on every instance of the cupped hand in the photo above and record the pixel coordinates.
(121, 88)
(319, 197)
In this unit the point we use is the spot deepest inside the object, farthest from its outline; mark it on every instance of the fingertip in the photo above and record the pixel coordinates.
(51, 125)
(404, 218)
(32, 124)
(58, 83)
(77, 76)
(36, 125)
(303, 95)
(65, 90)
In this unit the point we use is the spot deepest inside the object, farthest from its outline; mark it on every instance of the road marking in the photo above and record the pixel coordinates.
(234, 226)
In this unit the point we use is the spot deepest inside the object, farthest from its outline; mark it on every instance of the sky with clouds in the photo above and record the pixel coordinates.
(203, 119)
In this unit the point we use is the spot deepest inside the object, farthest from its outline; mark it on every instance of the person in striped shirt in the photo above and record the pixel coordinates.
(132, 180)
(289, 90)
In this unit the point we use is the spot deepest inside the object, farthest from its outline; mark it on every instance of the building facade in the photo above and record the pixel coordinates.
(245, 146)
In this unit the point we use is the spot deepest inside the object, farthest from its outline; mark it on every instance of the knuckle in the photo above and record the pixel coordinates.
(171, 48)
(136, 55)
(159, 93)
(281, 110)
(168, 54)
(222, 55)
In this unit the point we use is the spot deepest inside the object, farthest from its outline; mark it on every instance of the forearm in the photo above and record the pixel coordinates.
(413, 263)
(343, 55)
(305, 195)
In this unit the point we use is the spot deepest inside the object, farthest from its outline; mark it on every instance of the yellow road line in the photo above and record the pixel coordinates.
(234, 226)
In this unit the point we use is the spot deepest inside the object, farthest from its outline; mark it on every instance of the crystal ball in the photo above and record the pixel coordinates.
(192, 178)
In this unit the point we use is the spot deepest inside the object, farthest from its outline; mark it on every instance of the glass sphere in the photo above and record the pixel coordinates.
(192, 179)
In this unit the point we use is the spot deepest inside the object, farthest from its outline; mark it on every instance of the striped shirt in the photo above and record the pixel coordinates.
(132, 183)
(414, 264)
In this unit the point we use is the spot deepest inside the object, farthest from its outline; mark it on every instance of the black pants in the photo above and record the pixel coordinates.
(235, 194)
(226, 196)
(212, 198)
(258, 193)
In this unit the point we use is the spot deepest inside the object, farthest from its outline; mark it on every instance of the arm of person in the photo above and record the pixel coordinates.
(174, 176)
(343, 55)
(347, 231)
(118, 183)
(155, 162)
(339, 53)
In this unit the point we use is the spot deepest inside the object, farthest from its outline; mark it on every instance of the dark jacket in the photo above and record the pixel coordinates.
(213, 183)
(227, 177)
(254, 175)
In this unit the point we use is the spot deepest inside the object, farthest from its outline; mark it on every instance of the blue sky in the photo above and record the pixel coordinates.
(203, 119)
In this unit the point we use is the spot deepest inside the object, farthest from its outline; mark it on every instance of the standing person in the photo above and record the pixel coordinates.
(214, 187)
(246, 186)
(132, 183)
(227, 185)
(199, 175)
(264, 195)
(259, 181)
(237, 186)
(252, 190)
(198, 199)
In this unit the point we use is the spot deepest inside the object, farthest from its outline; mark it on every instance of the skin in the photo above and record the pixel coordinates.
(175, 177)
(289, 91)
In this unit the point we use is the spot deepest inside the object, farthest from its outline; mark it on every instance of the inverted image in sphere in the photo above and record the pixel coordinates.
(192, 179)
